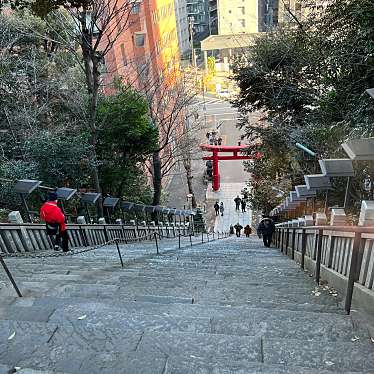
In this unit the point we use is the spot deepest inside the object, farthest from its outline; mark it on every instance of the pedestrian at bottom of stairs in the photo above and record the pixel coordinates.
(243, 205)
(221, 208)
(55, 221)
(247, 231)
(231, 230)
(237, 200)
(216, 208)
(266, 229)
(238, 227)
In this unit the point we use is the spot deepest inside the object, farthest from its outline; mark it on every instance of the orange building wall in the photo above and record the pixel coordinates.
(156, 19)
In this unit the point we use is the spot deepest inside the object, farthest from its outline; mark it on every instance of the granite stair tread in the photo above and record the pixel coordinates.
(223, 307)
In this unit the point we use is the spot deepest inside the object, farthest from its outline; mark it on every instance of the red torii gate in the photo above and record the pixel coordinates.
(215, 149)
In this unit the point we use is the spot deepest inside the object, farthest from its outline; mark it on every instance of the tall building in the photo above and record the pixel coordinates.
(182, 26)
(198, 11)
(238, 16)
(148, 44)
(274, 12)
(268, 14)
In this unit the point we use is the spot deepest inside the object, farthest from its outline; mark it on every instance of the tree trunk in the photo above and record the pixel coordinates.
(189, 176)
(157, 178)
(92, 83)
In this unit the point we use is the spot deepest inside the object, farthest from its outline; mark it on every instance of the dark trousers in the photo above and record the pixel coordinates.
(243, 209)
(217, 212)
(61, 239)
(247, 235)
(238, 233)
(237, 206)
(267, 239)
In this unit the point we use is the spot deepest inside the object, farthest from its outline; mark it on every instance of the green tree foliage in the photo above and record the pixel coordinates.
(43, 114)
(60, 160)
(309, 82)
(126, 139)
(41, 107)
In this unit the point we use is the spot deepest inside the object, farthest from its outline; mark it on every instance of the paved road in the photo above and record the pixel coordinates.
(233, 175)
(211, 110)
(215, 112)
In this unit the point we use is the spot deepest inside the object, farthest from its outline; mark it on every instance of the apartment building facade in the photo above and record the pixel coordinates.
(238, 16)
(181, 16)
(148, 45)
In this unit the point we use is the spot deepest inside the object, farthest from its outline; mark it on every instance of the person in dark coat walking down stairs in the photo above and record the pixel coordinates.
(216, 208)
(266, 229)
(237, 202)
(221, 208)
(52, 215)
(238, 227)
(247, 231)
(244, 205)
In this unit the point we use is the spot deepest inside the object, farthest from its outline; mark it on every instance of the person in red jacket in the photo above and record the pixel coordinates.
(52, 215)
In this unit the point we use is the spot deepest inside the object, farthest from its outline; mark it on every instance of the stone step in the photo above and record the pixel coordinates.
(112, 319)
(208, 295)
(334, 356)
(249, 322)
(5, 369)
(174, 306)
(74, 349)
(175, 365)
(33, 371)
(338, 356)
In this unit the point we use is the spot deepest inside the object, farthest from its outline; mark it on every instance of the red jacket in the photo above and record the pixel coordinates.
(51, 213)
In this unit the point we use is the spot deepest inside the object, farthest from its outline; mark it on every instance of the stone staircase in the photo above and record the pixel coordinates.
(228, 306)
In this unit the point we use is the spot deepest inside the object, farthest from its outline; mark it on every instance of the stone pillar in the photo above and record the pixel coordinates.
(15, 217)
(367, 213)
(226, 65)
(206, 60)
(321, 219)
(338, 217)
(309, 220)
(81, 220)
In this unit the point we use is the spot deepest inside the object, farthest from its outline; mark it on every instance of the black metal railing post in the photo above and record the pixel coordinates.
(331, 251)
(287, 241)
(353, 271)
(179, 241)
(202, 236)
(119, 253)
(319, 255)
(303, 249)
(191, 239)
(106, 234)
(293, 243)
(83, 236)
(10, 276)
(155, 235)
(282, 237)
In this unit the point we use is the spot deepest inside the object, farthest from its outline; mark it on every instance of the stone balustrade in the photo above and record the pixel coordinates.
(28, 237)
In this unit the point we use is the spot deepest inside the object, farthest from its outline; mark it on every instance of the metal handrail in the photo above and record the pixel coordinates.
(283, 237)
(115, 241)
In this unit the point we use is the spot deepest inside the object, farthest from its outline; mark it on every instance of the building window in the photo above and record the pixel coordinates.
(135, 8)
(241, 10)
(242, 22)
(139, 39)
(123, 55)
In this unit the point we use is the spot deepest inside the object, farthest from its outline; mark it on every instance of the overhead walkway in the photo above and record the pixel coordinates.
(228, 306)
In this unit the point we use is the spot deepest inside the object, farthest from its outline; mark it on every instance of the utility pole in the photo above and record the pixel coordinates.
(190, 28)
